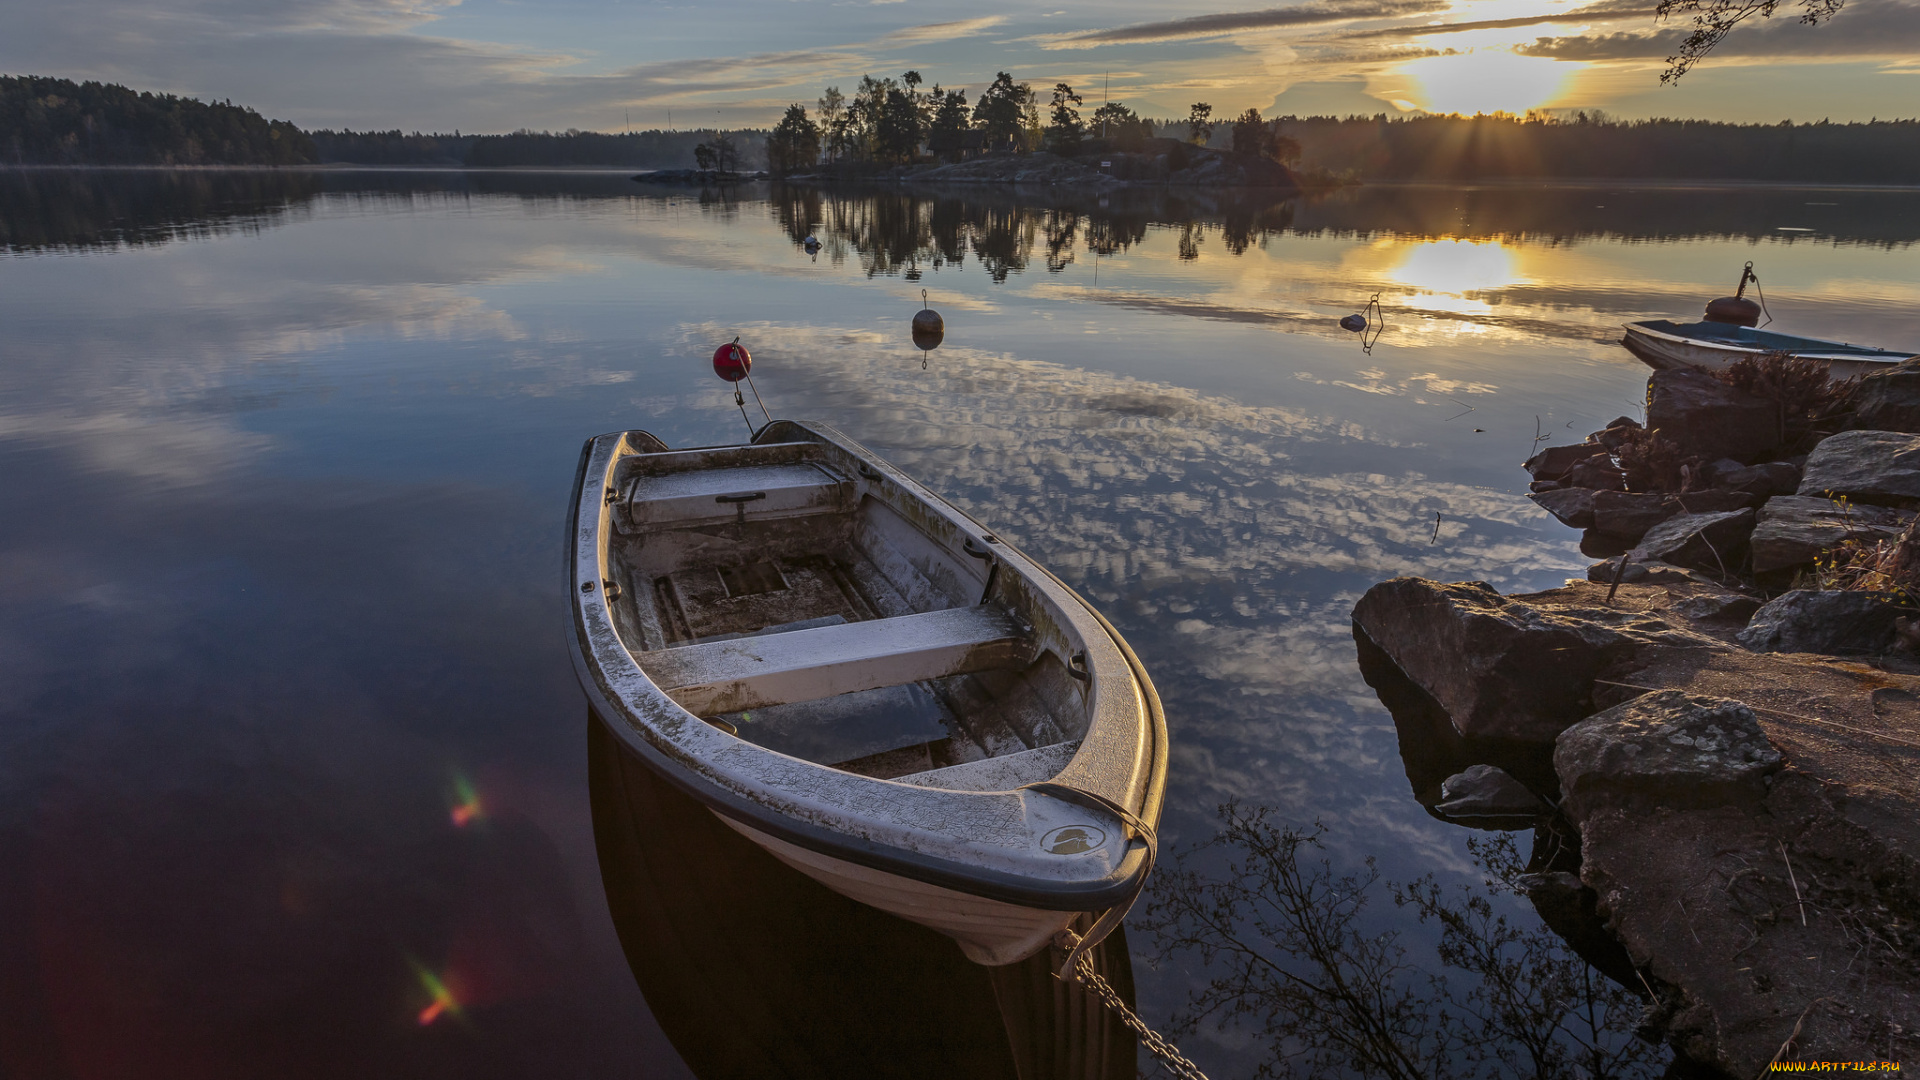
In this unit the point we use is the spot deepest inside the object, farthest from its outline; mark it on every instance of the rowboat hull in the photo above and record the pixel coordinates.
(988, 932)
(1712, 346)
(1036, 810)
(753, 970)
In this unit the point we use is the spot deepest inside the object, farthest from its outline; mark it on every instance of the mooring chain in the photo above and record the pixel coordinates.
(1156, 1044)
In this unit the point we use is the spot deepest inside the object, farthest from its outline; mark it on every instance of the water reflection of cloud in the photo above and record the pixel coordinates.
(1190, 518)
(163, 451)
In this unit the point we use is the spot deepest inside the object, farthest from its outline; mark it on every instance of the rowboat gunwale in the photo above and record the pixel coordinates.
(644, 720)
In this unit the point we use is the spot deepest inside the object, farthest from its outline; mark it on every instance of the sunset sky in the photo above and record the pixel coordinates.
(497, 65)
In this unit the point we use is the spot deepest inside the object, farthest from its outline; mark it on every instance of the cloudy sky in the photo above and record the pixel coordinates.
(497, 65)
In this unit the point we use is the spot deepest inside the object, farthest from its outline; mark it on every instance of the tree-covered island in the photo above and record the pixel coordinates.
(893, 129)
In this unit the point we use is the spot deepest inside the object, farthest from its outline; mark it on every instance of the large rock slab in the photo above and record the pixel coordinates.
(1666, 749)
(1711, 542)
(1889, 400)
(1715, 501)
(1794, 530)
(1625, 515)
(1867, 466)
(1832, 622)
(1767, 480)
(1553, 462)
(1597, 472)
(1572, 505)
(1709, 419)
(1500, 669)
(1742, 886)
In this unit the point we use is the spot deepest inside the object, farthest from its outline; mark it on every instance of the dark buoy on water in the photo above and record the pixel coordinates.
(929, 329)
(733, 362)
(1737, 310)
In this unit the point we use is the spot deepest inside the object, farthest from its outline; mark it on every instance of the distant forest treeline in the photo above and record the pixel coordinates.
(61, 122)
(48, 121)
(1455, 148)
(636, 150)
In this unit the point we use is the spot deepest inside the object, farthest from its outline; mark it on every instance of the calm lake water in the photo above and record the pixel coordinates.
(292, 760)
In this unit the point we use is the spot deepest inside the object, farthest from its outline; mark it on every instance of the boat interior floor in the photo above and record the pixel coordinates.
(814, 635)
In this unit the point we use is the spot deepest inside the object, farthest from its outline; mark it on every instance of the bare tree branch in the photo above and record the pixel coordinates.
(1713, 20)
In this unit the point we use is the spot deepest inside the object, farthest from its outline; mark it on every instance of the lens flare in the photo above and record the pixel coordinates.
(443, 1003)
(466, 807)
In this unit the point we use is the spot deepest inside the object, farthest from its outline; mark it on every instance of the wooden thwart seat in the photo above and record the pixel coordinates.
(757, 491)
(805, 665)
(999, 773)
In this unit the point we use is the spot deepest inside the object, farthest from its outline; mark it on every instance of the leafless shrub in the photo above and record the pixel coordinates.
(1654, 462)
(1299, 967)
(1800, 389)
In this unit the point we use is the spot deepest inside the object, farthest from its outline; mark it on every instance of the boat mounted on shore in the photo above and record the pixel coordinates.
(867, 683)
(1730, 332)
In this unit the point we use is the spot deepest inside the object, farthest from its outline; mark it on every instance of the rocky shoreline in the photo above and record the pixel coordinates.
(1716, 736)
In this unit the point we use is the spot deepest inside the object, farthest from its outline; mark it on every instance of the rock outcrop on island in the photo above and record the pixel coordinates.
(1772, 436)
(1725, 714)
(1748, 824)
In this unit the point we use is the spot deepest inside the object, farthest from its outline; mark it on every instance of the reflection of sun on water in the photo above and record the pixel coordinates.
(1457, 266)
(1484, 81)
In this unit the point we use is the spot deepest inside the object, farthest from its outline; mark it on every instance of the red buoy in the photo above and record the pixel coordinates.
(732, 361)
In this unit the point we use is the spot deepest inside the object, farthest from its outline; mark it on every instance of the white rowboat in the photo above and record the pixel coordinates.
(861, 679)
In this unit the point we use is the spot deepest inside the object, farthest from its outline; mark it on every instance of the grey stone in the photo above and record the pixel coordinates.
(1649, 573)
(1793, 530)
(1616, 433)
(1627, 516)
(1500, 669)
(1766, 480)
(1870, 466)
(1713, 501)
(1833, 622)
(1572, 505)
(1598, 473)
(1604, 571)
(1710, 542)
(1484, 791)
(1663, 749)
(1889, 400)
(1553, 462)
(1723, 608)
(1707, 418)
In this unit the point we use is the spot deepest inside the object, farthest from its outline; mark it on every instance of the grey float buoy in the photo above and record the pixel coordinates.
(1368, 329)
(929, 329)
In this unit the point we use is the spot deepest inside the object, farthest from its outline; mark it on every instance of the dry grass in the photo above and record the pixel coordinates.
(1874, 566)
